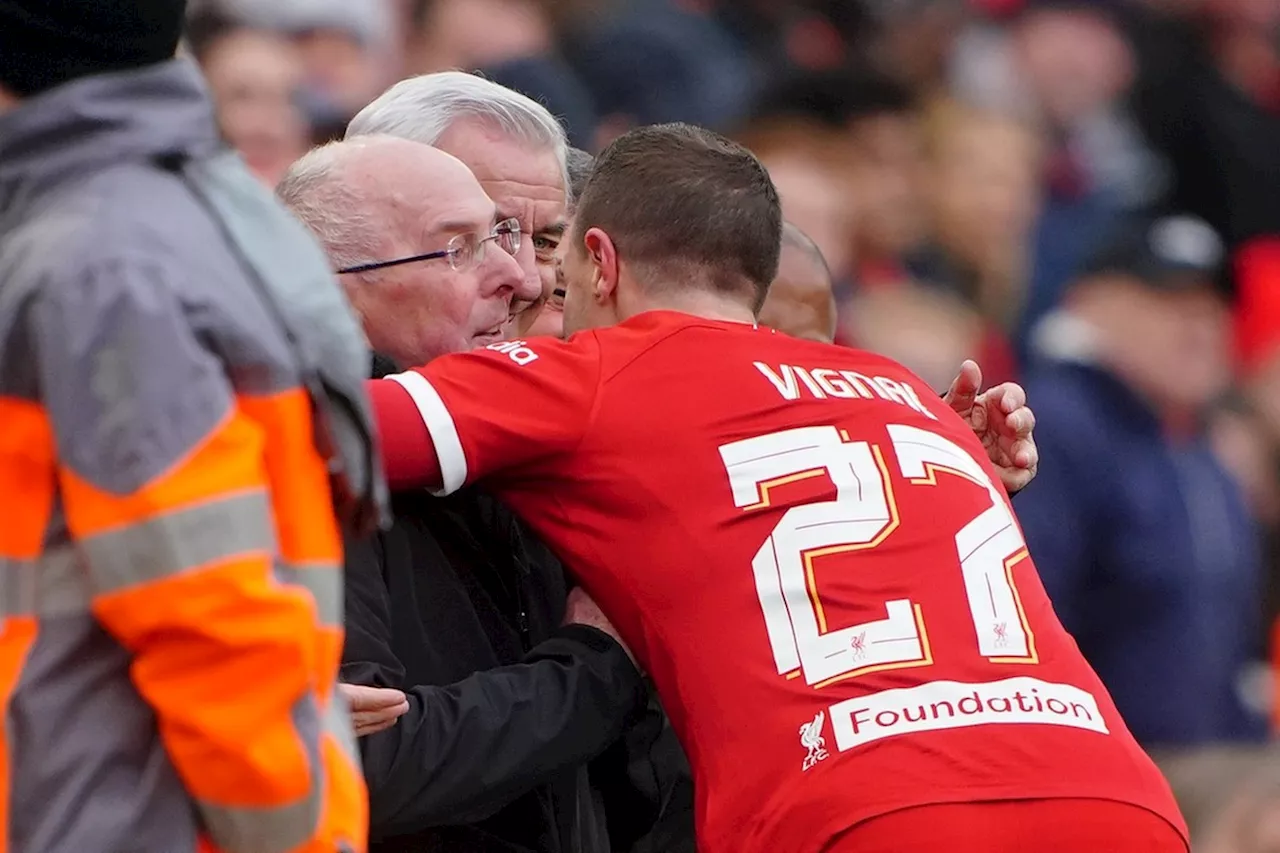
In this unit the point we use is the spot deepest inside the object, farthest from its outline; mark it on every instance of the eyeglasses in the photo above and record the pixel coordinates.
(464, 251)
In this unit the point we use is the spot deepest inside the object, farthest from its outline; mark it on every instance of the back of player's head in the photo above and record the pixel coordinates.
(686, 207)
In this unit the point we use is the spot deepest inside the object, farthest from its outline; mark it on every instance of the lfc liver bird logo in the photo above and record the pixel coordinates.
(811, 739)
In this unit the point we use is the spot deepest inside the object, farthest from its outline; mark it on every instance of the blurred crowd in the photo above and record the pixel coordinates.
(1079, 194)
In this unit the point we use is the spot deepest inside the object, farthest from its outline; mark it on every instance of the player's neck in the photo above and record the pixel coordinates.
(709, 306)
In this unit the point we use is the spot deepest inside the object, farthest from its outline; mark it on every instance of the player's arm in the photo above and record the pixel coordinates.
(164, 483)
(467, 416)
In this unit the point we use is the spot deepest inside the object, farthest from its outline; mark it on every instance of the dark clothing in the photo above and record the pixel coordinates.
(459, 608)
(1148, 554)
(1219, 140)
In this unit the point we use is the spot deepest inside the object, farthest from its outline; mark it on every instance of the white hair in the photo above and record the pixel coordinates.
(334, 209)
(422, 108)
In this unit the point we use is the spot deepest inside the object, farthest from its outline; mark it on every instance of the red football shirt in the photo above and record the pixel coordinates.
(810, 554)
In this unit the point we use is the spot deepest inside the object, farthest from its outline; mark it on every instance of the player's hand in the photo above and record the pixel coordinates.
(373, 709)
(581, 609)
(1001, 420)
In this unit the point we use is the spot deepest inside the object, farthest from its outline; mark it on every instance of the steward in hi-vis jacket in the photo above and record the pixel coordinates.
(180, 408)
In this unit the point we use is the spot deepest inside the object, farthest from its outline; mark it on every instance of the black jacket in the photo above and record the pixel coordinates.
(461, 609)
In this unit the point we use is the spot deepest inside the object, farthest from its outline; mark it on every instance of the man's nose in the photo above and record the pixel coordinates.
(530, 287)
(508, 277)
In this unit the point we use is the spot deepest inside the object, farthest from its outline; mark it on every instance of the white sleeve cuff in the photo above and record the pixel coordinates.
(444, 433)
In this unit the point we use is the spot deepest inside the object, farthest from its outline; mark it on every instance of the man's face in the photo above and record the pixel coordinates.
(1173, 345)
(255, 78)
(419, 311)
(526, 184)
(546, 316)
(887, 178)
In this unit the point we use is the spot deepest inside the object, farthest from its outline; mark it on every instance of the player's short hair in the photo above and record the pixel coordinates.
(685, 205)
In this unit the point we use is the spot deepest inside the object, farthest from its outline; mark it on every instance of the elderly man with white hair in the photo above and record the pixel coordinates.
(499, 686)
(516, 149)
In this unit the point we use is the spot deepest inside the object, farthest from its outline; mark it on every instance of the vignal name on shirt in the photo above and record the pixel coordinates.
(822, 383)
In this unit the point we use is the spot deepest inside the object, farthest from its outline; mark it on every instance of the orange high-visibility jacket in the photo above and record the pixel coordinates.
(170, 563)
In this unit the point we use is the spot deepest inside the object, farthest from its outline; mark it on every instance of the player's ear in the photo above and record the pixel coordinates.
(603, 255)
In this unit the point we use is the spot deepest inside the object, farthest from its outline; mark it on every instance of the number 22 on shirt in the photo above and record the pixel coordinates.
(861, 516)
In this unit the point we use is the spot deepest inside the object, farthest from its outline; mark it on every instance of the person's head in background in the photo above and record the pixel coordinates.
(915, 38)
(1147, 310)
(984, 171)
(801, 302)
(810, 165)
(631, 245)
(1072, 59)
(927, 329)
(45, 44)
(377, 205)
(883, 128)
(546, 315)
(448, 34)
(346, 48)
(255, 76)
(513, 145)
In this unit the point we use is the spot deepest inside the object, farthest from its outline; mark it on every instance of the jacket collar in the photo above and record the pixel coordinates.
(101, 120)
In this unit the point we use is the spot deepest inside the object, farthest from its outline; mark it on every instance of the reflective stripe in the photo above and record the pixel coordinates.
(54, 584)
(181, 540)
(324, 582)
(337, 722)
(62, 585)
(17, 587)
(444, 432)
(244, 829)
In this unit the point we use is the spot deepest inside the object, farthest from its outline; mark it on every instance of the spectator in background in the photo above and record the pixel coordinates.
(881, 125)
(659, 61)
(1151, 563)
(811, 167)
(983, 172)
(255, 77)
(1067, 66)
(346, 48)
(513, 686)
(926, 329)
(447, 35)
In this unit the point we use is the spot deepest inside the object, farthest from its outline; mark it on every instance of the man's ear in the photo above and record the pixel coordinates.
(604, 259)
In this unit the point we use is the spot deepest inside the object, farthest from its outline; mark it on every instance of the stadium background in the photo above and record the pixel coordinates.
(958, 163)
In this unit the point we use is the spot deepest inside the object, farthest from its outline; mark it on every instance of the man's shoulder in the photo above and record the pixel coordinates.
(130, 217)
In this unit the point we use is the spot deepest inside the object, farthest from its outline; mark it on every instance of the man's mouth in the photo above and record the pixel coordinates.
(489, 336)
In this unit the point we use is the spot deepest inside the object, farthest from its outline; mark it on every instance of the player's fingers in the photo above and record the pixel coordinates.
(1025, 455)
(1011, 396)
(964, 389)
(1020, 423)
(363, 698)
(371, 722)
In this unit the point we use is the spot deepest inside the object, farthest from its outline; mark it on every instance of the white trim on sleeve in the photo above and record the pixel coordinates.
(444, 433)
